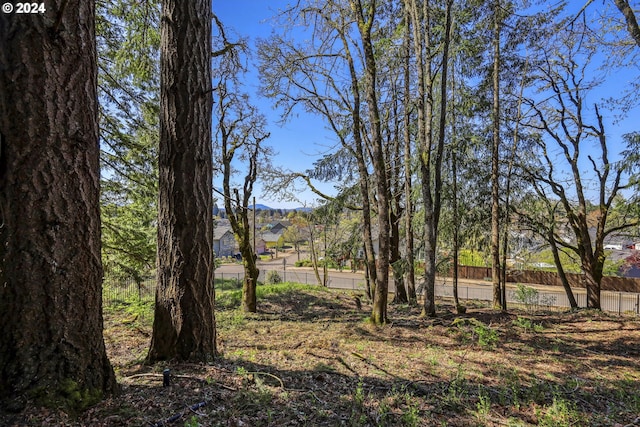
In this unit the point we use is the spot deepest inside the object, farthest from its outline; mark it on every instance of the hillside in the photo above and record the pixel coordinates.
(309, 357)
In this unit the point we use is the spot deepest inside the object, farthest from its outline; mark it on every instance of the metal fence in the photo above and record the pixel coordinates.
(613, 302)
(119, 291)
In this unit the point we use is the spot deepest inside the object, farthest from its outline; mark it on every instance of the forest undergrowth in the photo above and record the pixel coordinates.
(310, 357)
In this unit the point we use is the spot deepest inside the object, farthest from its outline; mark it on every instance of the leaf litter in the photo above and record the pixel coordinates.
(310, 357)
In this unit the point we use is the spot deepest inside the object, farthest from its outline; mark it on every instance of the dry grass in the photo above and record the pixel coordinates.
(309, 357)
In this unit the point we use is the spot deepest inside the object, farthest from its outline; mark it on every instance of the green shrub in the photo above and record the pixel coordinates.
(273, 278)
(561, 413)
(527, 296)
(486, 336)
(528, 324)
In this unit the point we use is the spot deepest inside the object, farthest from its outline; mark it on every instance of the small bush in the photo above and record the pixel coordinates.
(321, 262)
(273, 278)
(486, 336)
(561, 413)
(528, 324)
(527, 296)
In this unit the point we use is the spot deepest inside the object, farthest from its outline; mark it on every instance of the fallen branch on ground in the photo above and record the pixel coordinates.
(176, 417)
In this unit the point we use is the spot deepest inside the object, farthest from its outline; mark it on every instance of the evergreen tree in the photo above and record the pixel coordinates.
(51, 328)
(184, 321)
(128, 43)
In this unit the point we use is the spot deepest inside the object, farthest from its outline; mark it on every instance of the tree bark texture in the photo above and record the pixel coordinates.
(456, 228)
(495, 164)
(563, 277)
(365, 19)
(184, 323)
(421, 25)
(410, 278)
(51, 342)
(395, 186)
(359, 153)
(630, 18)
(395, 258)
(239, 219)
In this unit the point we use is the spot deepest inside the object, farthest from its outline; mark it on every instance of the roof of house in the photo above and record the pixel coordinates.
(220, 231)
(270, 237)
(280, 225)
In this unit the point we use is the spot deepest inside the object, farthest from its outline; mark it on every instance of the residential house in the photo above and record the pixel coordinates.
(224, 242)
(279, 227)
(260, 246)
(271, 239)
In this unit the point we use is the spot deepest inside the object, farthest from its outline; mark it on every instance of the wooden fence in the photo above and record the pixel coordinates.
(609, 283)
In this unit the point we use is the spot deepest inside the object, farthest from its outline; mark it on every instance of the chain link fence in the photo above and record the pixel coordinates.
(127, 291)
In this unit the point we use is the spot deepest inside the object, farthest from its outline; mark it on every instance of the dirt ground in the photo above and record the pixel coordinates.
(310, 357)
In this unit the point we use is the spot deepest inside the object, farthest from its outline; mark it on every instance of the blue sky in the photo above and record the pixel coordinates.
(299, 142)
(302, 140)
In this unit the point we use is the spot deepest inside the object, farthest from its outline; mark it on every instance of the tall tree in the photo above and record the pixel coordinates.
(495, 159)
(305, 75)
(506, 37)
(410, 277)
(431, 148)
(466, 174)
(240, 135)
(365, 15)
(128, 43)
(567, 127)
(51, 343)
(387, 33)
(184, 322)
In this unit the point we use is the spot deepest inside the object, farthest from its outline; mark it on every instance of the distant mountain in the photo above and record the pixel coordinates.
(260, 206)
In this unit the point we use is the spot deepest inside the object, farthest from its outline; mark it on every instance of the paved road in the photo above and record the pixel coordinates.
(339, 279)
(547, 296)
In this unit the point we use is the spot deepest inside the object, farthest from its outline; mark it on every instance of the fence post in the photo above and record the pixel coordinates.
(619, 303)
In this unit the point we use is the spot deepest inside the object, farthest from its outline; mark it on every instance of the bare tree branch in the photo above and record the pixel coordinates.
(630, 18)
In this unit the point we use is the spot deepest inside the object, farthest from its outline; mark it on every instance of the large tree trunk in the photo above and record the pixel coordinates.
(363, 173)
(184, 323)
(51, 343)
(456, 229)
(593, 277)
(431, 199)
(421, 25)
(593, 291)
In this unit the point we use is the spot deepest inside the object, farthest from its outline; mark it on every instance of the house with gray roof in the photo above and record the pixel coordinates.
(224, 242)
